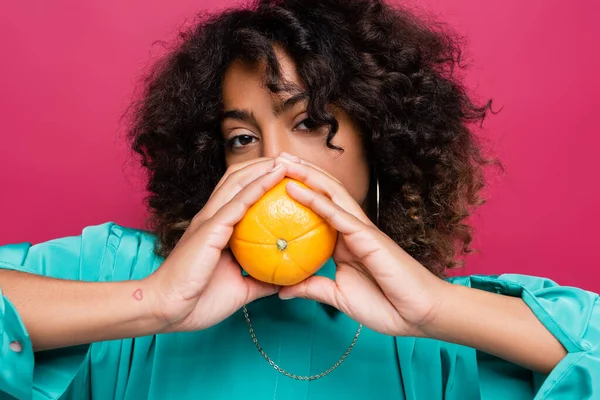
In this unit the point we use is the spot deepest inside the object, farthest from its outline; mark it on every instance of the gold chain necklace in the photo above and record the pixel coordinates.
(290, 375)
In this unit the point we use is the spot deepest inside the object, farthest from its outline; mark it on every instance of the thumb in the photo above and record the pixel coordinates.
(318, 288)
(258, 289)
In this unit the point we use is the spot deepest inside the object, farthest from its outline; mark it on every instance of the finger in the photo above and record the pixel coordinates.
(258, 289)
(318, 288)
(232, 182)
(354, 230)
(322, 182)
(220, 227)
(240, 166)
(289, 157)
(338, 218)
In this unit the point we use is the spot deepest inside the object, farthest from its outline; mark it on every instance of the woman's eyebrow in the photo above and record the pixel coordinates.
(240, 115)
(288, 103)
(278, 109)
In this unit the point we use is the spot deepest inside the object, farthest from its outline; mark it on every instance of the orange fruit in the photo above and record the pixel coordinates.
(281, 241)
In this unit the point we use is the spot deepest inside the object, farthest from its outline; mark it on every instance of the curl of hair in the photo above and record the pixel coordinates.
(392, 71)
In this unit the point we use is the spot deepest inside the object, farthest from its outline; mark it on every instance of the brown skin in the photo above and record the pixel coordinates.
(269, 135)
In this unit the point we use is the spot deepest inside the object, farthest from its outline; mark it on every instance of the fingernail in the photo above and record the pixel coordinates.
(276, 167)
(285, 297)
(294, 184)
(288, 156)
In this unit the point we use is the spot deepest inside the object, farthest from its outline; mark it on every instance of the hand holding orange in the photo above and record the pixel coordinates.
(281, 241)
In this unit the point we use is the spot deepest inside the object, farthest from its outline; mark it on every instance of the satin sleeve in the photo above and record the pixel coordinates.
(105, 252)
(572, 315)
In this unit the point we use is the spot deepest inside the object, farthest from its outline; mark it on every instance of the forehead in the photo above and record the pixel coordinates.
(244, 83)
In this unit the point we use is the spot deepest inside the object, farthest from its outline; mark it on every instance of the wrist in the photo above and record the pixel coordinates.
(154, 313)
(437, 323)
(136, 309)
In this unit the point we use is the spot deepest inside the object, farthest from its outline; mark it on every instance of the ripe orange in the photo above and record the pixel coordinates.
(281, 241)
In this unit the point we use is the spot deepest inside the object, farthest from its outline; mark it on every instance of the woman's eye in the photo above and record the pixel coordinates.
(309, 125)
(240, 141)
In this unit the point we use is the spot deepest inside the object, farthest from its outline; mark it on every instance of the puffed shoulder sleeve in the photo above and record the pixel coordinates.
(572, 315)
(100, 253)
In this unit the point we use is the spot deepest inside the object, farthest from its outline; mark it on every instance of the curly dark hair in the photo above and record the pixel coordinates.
(389, 69)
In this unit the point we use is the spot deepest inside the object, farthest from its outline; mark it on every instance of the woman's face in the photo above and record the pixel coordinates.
(255, 125)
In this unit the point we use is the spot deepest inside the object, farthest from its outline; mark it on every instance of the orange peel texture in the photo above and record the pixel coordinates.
(281, 241)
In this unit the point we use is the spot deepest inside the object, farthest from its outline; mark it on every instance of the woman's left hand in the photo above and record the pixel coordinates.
(377, 283)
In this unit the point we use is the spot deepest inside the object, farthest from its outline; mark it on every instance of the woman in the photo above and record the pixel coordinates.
(356, 100)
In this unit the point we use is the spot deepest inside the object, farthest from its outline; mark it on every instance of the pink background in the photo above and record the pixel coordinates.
(69, 69)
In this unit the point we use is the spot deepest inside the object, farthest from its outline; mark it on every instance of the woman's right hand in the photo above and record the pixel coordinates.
(200, 283)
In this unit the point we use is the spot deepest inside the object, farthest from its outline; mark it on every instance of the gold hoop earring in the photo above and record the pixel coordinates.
(377, 199)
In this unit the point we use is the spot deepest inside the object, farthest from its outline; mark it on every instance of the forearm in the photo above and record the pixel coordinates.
(500, 325)
(60, 313)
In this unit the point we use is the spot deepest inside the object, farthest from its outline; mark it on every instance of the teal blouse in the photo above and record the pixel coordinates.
(302, 336)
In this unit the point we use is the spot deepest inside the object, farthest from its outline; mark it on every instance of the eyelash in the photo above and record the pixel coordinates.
(230, 145)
